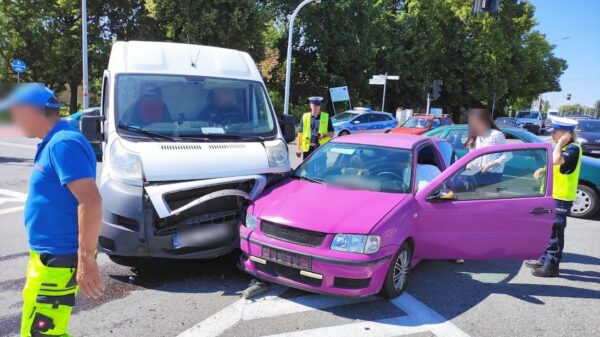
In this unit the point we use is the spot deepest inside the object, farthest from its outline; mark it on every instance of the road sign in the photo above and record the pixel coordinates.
(339, 94)
(18, 66)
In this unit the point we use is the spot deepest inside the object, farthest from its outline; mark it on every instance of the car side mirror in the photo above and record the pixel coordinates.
(356, 122)
(442, 195)
(288, 128)
(91, 128)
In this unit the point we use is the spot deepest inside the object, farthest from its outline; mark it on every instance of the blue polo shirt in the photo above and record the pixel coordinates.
(51, 209)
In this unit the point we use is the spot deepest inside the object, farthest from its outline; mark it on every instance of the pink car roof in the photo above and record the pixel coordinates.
(382, 139)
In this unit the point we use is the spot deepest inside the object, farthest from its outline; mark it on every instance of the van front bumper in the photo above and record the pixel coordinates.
(326, 275)
(128, 228)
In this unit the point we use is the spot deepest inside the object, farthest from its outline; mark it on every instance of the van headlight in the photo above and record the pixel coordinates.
(125, 163)
(581, 140)
(251, 221)
(278, 154)
(364, 244)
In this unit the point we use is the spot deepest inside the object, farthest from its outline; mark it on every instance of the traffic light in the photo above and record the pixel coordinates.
(568, 97)
(490, 6)
(437, 89)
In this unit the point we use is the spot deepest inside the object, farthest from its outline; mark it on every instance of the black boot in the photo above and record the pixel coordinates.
(535, 263)
(547, 270)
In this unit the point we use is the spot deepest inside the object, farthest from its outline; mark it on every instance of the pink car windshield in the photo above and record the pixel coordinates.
(357, 166)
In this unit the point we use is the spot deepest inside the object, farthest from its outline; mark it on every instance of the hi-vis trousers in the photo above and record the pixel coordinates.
(49, 295)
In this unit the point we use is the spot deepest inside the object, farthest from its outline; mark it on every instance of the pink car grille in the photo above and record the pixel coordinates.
(290, 234)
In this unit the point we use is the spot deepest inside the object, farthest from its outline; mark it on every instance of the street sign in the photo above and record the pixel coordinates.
(339, 94)
(377, 81)
(18, 66)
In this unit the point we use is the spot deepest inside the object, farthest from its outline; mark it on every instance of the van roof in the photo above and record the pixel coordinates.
(141, 57)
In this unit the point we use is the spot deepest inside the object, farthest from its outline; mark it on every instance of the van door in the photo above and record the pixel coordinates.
(464, 215)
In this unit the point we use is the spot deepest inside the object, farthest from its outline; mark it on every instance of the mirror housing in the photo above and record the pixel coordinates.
(356, 122)
(442, 195)
(91, 128)
(288, 128)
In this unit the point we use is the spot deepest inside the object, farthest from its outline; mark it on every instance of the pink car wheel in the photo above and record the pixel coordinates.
(397, 275)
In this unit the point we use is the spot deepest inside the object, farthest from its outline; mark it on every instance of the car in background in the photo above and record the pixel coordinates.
(588, 191)
(419, 124)
(362, 120)
(588, 135)
(506, 122)
(532, 121)
(75, 121)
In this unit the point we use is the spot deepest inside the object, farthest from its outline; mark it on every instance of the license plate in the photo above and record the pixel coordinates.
(201, 236)
(286, 258)
(595, 151)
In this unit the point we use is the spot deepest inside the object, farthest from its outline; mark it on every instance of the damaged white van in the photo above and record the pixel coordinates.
(189, 137)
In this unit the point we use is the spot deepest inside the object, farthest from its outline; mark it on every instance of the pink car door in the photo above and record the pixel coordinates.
(507, 213)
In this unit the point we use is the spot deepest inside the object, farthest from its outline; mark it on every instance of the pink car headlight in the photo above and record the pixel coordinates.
(353, 243)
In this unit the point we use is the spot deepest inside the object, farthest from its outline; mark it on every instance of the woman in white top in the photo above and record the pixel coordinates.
(483, 132)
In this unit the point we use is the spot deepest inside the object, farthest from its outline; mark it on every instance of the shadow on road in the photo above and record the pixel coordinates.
(14, 161)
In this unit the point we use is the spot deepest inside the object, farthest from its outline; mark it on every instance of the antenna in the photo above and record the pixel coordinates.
(193, 61)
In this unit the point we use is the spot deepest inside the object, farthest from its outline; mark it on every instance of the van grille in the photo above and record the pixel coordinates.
(181, 147)
(298, 236)
(227, 146)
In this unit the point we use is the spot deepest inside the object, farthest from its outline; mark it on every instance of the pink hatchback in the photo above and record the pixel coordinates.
(360, 212)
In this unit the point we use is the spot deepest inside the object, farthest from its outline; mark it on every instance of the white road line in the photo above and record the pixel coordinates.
(11, 210)
(11, 196)
(23, 146)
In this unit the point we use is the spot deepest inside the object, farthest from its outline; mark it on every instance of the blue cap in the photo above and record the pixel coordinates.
(316, 100)
(561, 123)
(33, 94)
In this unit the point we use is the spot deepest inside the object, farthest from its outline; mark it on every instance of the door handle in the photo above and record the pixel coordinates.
(540, 211)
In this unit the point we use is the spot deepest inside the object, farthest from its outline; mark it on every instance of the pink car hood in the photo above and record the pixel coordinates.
(325, 208)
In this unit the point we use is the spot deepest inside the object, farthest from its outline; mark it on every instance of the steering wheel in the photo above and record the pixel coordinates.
(392, 176)
(231, 118)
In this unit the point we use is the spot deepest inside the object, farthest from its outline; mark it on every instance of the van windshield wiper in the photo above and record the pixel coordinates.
(146, 132)
(308, 179)
(236, 137)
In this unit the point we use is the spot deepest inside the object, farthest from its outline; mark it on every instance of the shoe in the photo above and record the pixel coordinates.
(535, 263)
(547, 270)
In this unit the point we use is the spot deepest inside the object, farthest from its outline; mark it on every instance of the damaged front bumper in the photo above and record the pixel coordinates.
(184, 220)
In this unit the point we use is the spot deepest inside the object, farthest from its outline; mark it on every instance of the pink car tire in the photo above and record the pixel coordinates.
(397, 275)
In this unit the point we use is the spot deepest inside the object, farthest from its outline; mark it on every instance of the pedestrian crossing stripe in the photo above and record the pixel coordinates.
(418, 318)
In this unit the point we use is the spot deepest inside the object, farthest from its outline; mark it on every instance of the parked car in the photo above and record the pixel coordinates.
(188, 146)
(75, 121)
(588, 135)
(532, 121)
(587, 203)
(362, 120)
(419, 124)
(506, 122)
(361, 211)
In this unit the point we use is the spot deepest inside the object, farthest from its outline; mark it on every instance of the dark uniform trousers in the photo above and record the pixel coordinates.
(311, 149)
(553, 252)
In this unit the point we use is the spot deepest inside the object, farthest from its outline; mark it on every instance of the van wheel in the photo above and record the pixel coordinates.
(586, 204)
(397, 276)
(344, 133)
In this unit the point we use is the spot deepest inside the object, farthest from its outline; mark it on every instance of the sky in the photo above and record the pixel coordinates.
(574, 27)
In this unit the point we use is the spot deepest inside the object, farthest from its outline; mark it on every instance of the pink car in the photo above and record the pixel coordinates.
(363, 210)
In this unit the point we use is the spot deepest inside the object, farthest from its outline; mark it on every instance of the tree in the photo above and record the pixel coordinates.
(237, 24)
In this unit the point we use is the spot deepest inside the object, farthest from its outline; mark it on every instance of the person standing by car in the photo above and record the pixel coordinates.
(566, 158)
(62, 214)
(483, 132)
(315, 130)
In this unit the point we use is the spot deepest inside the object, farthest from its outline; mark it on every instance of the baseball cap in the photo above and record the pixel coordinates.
(33, 94)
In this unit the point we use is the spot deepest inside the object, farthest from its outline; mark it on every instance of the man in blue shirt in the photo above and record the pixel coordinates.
(62, 214)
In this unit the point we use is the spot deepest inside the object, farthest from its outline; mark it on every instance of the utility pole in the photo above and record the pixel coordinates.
(428, 103)
(84, 50)
(384, 92)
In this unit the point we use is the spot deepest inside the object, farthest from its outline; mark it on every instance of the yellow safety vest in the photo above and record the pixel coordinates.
(565, 185)
(306, 130)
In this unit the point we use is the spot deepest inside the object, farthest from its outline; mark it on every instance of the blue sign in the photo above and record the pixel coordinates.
(339, 94)
(18, 66)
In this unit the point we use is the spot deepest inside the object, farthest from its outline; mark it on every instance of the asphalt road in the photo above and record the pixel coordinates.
(478, 298)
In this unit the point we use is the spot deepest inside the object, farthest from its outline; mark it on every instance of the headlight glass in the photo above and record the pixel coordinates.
(278, 154)
(124, 162)
(352, 243)
(581, 140)
(251, 221)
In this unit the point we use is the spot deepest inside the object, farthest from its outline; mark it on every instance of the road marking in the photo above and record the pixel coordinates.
(11, 210)
(418, 318)
(488, 277)
(23, 146)
(7, 196)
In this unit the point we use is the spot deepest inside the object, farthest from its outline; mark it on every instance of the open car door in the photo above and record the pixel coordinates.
(462, 216)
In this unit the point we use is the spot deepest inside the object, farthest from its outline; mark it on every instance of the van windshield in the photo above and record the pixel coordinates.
(186, 106)
(528, 114)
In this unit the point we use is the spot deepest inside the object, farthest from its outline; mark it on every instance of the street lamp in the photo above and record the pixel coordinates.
(84, 51)
(288, 71)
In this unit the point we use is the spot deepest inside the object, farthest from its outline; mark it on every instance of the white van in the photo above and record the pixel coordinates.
(189, 137)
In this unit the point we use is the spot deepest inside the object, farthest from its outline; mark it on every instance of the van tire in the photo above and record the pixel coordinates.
(400, 264)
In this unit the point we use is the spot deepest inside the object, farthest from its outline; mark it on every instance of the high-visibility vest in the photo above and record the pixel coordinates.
(565, 185)
(307, 130)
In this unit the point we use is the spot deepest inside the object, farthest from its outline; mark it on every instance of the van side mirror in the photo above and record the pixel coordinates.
(91, 128)
(288, 128)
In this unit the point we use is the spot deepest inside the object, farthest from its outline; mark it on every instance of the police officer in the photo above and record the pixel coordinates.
(316, 129)
(566, 158)
(62, 214)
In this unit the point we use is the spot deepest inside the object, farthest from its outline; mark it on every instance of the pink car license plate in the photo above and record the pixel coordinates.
(286, 258)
